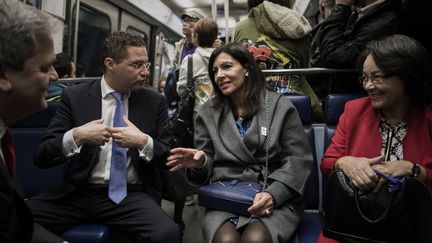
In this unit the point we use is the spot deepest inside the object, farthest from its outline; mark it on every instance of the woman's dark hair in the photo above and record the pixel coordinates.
(404, 57)
(206, 30)
(254, 84)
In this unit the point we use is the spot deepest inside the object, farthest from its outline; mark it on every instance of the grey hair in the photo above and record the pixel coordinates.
(19, 25)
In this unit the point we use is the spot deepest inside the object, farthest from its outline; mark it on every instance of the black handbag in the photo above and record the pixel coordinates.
(235, 196)
(182, 122)
(388, 215)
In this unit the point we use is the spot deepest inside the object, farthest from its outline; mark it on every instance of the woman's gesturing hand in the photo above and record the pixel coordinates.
(185, 158)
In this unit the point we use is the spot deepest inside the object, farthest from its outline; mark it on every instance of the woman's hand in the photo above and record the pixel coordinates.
(398, 168)
(359, 170)
(185, 158)
(262, 204)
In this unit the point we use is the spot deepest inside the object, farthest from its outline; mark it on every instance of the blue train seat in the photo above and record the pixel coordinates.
(335, 105)
(311, 225)
(27, 134)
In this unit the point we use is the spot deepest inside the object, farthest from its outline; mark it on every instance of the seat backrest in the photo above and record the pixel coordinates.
(39, 119)
(303, 106)
(335, 104)
(27, 134)
(334, 107)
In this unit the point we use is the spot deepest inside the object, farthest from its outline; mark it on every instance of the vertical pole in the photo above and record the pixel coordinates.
(75, 51)
(214, 10)
(226, 11)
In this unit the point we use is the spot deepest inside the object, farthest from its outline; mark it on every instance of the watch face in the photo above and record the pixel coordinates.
(415, 170)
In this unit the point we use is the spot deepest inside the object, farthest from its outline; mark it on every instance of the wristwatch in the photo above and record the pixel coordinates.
(415, 171)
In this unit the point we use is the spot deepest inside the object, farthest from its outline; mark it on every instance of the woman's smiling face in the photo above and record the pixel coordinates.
(229, 74)
(386, 92)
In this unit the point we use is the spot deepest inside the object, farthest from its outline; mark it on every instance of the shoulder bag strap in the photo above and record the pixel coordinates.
(266, 132)
(190, 72)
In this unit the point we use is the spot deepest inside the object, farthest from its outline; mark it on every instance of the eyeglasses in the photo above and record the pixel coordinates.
(140, 65)
(189, 20)
(375, 79)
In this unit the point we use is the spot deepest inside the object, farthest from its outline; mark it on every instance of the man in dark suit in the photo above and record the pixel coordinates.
(112, 161)
(26, 68)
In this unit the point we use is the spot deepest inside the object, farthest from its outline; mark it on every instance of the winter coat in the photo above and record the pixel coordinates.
(279, 37)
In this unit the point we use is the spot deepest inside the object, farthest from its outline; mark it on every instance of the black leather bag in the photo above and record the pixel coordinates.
(231, 196)
(389, 215)
(182, 122)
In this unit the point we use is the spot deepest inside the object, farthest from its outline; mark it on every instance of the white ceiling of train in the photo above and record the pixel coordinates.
(237, 8)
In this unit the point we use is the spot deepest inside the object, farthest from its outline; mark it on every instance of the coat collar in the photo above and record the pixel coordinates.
(253, 140)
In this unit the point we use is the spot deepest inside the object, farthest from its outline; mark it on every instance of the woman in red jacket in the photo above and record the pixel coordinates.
(391, 130)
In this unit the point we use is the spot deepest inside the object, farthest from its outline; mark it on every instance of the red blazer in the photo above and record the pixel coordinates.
(357, 135)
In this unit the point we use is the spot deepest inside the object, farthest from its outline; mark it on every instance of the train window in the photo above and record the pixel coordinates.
(138, 32)
(94, 27)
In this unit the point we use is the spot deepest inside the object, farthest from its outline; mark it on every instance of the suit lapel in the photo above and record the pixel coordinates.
(135, 109)
(93, 104)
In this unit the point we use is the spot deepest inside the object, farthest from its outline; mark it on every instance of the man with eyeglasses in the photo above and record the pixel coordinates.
(185, 47)
(113, 135)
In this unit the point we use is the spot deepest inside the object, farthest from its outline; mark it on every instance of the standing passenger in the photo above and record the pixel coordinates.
(113, 136)
(26, 68)
(174, 184)
(279, 37)
(185, 46)
(342, 36)
(204, 35)
(230, 145)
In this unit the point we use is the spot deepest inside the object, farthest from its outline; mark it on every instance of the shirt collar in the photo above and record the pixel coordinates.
(106, 89)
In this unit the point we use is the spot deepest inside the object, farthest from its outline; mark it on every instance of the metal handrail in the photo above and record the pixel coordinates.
(265, 71)
(308, 71)
(75, 80)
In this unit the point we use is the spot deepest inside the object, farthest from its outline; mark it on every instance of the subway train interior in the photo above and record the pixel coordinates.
(86, 23)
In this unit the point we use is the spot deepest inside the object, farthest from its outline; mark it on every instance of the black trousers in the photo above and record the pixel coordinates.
(138, 215)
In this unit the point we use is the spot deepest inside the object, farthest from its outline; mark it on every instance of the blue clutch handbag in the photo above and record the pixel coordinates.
(231, 196)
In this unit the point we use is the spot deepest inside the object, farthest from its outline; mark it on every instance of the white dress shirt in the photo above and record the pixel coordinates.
(101, 172)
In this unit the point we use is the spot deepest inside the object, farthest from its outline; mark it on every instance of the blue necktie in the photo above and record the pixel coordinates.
(118, 172)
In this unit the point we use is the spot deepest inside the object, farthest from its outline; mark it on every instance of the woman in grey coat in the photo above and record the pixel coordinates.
(230, 139)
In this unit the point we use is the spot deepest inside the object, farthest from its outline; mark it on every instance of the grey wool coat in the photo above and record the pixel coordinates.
(230, 157)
